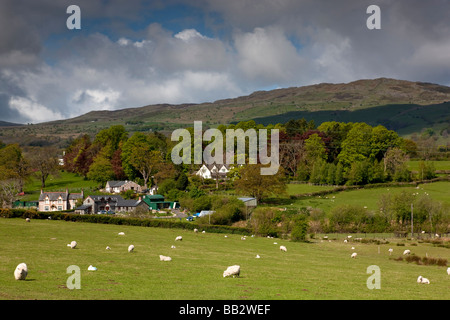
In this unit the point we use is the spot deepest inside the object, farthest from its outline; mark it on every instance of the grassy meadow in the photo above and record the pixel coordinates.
(438, 191)
(319, 270)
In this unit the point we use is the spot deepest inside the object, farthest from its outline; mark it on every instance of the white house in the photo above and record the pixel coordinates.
(58, 201)
(212, 171)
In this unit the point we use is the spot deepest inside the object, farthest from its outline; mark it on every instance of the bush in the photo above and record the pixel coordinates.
(300, 228)
(348, 218)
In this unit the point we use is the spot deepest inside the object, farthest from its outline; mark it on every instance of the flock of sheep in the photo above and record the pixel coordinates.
(21, 271)
(420, 279)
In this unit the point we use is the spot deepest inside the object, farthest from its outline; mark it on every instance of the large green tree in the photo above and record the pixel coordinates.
(252, 183)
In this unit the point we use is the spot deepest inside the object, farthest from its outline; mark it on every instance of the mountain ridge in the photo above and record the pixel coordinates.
(318, 101)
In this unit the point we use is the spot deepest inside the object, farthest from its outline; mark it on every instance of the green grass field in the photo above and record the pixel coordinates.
(438, 191)
(314, 271)
(438, 165)
(64, 180)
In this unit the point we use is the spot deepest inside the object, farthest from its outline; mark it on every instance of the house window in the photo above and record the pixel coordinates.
(47, 208)
(59, 200)
(60, 208)
(47, 200)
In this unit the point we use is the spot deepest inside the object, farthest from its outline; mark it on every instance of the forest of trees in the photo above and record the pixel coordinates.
(334, 153)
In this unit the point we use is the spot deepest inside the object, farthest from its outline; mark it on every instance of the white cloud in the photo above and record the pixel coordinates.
(267, 55)
(253, 45)
(189, 34)
(32, 110)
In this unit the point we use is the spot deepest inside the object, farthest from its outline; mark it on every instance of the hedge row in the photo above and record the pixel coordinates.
(369, 186)
(112, 219)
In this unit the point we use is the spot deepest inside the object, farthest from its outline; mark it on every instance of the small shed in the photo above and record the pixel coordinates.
(249, 202)
(156, 202)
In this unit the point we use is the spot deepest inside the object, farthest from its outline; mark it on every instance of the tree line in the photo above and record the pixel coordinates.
(334, 153)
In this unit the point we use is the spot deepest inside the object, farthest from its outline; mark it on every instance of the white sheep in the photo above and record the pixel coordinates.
(92, 268)
(406, 252)
(108, 248)
(121, 233)
(448, 271)
(164, 258)
(195, 230)
(421, 279)
(354, 254)
(21, 271)
(257, 256)
(172, 247)
(130, 248)
(390, 251)
(27, 219)
(283, 248)
(179, 238)
(73, 244)
(243, 238)
(233, 271)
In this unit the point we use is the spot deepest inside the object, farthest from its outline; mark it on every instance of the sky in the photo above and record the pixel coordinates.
(137, 52)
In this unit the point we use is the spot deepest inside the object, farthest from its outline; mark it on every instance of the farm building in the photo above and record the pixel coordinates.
(99, 204)
(26, 204)
(114, 186)
(156, 202)
(249, 202)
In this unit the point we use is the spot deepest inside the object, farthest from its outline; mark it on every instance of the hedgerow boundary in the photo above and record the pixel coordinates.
(126, 221)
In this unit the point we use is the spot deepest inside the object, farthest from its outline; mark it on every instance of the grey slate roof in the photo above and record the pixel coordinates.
(116, 183)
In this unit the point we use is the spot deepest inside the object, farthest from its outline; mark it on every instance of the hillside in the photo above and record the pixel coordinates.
(8, 124)
(400, 105)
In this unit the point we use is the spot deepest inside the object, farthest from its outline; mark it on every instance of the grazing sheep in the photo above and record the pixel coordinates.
(164, 258)
(421, 279)
(390, 251)
(283, 248)
(121, 233)
(196, 230)
(354, 254)
(406, 252)
(27, 219)
(130, 248)
(108, 248)
(73, 244)
(345, 241)
(203, 231)
(233, 271)
(257, 256)
(448, 271)
(92, 268)
(21, 271)
(179, 238)
(243, 238)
